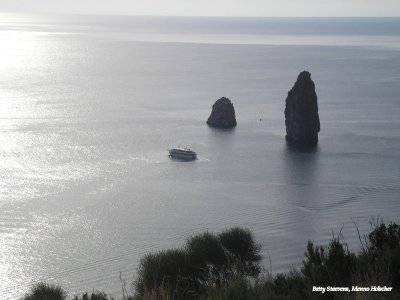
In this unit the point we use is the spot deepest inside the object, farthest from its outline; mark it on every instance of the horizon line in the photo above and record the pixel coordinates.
(200, 16)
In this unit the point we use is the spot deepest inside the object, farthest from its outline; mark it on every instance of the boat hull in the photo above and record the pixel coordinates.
(182, 154)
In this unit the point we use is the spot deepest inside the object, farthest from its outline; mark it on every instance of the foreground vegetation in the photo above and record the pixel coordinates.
(226, 266)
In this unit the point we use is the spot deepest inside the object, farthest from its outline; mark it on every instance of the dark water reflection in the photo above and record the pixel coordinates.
(300, 172)
(301, 163)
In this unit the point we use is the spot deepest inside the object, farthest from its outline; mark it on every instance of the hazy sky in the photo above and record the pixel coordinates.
(210, 7)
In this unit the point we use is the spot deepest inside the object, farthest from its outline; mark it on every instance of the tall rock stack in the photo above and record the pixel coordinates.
(301, 112)
(222, 114)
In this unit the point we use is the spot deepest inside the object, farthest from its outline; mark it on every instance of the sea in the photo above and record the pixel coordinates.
(90, 105)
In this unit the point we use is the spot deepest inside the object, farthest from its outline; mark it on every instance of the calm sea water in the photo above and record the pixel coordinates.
(90, 105)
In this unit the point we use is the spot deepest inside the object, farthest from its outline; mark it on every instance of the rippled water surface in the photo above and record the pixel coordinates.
(90, 105)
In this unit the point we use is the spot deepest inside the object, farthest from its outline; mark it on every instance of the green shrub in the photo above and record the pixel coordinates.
(165, 272)
(206, 260)
(243, 252)
(94, 296)
(379, 261)
(234, 289)
(43, 291)
(242, 288)
(384, 248)
(331, 265)
(292, 285)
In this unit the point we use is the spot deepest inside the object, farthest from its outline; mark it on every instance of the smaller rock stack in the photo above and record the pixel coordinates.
(222, 114)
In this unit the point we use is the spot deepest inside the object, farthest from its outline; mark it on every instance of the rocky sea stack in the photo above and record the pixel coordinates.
(222, 114)
(301, 112)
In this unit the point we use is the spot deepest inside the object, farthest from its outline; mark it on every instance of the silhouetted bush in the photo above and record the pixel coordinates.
(330, 265)
(235, 289)
(378, 262)
(44, 291)
(206, 260)
(243, 252)
(94, 296)
(383, 247)
(291, 285)
(165, 271)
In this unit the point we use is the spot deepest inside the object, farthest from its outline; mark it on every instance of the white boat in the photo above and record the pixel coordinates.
(182, 153)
